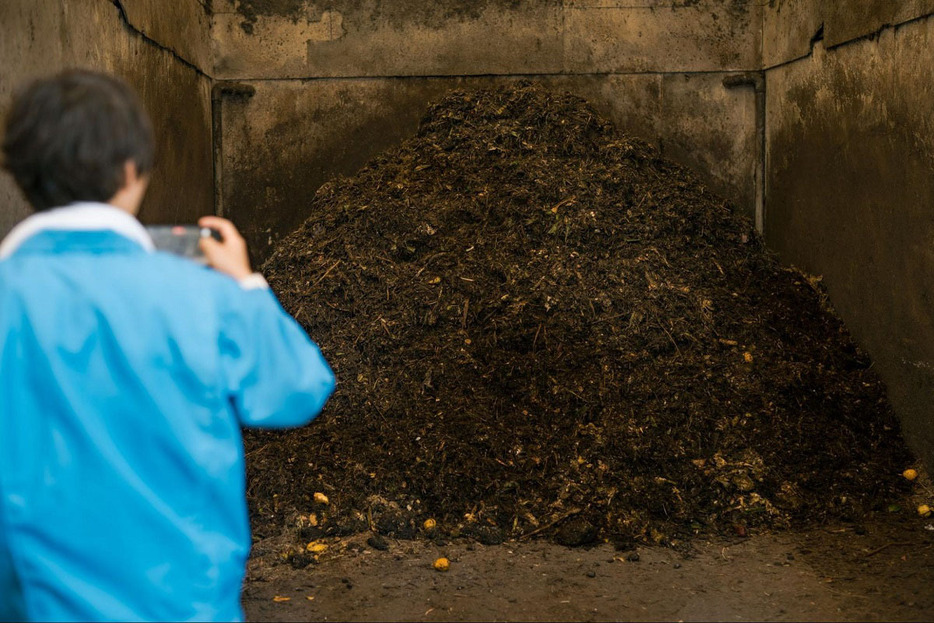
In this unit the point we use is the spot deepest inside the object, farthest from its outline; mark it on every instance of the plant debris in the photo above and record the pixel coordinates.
(536, 320)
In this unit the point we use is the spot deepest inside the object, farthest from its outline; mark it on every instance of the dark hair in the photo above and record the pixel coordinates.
(68, 137)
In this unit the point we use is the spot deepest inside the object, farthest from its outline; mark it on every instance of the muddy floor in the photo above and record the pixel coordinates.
(879, 571)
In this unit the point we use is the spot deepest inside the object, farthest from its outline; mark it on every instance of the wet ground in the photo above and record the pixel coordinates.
(879, 571)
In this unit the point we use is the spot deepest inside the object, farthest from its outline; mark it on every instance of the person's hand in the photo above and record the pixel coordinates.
(229, 256)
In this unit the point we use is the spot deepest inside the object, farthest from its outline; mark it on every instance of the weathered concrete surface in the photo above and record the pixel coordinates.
(41, 38)
(339, 38)
(711, 129)
(788, 27)
(850, 20)
(625, 36)
(257, 39)
(882, 572)
(182, 26)
(850, 187)
(289, 138)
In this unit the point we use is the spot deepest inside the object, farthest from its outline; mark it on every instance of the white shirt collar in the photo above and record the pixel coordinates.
(80, 216)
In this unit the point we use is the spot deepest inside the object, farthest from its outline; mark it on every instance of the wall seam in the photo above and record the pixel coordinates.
(129, 26)
(871, 36)
(881, 29)
(713, 72)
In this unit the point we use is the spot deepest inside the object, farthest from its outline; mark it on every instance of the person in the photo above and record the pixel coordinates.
(125, 377)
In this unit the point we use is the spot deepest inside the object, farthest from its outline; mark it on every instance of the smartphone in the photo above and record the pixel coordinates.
(182, 240)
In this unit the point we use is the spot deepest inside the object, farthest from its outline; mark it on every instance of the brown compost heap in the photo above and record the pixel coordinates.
(541, 327)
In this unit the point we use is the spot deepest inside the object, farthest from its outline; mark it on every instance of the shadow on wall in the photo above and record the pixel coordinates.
(849, 197)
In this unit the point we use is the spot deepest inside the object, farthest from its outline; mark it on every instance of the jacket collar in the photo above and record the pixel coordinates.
(81, 216)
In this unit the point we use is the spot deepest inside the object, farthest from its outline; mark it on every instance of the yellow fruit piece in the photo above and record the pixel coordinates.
(910, 474)
(320, 498)
(442, 564)
(747, 357)
(279, 599)
(316, 548)
(430, 524)
(924, 510)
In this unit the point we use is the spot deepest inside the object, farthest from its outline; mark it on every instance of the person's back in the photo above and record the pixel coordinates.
(125, 375)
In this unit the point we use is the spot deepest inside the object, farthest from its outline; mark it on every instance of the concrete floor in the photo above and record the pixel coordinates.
(880, 571)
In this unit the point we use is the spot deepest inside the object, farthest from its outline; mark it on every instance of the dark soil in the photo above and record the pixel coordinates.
(541, 328)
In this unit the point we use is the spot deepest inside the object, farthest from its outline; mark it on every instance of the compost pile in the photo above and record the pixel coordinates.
(540, 327)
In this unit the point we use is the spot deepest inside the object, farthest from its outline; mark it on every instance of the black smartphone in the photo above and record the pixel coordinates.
(182, 240)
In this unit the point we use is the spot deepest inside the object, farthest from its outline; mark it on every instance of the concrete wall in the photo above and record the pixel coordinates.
(850, 191)
(160, 47)
(339, 81)
(341, 38)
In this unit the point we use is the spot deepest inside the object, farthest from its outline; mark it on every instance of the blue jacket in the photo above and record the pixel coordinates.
(125, 378)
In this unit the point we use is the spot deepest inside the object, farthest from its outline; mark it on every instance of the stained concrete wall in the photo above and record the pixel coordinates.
(850, 192)
(341, 38)
(339, 81)
(162, 48)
